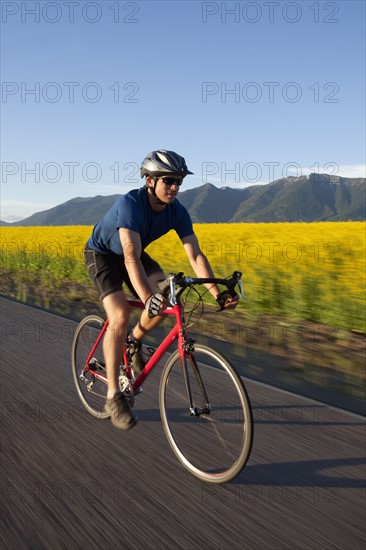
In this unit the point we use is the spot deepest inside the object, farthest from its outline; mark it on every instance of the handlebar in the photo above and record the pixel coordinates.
(180, 280)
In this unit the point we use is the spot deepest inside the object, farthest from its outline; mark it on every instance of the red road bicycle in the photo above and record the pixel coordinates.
(204, 406)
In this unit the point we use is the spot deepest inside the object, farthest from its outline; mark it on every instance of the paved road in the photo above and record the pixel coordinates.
(71, 481)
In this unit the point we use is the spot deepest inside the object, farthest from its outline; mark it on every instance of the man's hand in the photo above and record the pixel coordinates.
(155, 305)
(227, 299)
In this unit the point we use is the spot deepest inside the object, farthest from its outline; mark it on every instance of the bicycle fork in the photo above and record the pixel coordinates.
(194, 410)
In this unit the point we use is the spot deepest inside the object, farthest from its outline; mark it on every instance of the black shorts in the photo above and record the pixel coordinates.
(108, 271)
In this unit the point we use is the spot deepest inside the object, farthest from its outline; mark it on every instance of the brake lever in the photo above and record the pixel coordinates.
(237, 278)
(241, 290)
(172, 290)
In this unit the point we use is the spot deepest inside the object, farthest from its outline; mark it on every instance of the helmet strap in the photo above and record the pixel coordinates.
(153, 192)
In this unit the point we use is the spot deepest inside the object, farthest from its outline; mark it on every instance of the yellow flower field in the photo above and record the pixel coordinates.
(310, 271)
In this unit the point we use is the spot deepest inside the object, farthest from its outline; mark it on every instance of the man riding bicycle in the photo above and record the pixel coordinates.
(115, 254)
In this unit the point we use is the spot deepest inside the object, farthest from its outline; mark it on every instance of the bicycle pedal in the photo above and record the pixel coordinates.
(90, 386)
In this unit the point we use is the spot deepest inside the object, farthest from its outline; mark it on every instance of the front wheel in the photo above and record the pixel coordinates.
(206, 414)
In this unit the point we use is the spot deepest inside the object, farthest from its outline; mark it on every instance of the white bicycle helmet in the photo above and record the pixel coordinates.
(163, 162)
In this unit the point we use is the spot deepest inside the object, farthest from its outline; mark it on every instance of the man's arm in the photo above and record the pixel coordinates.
(131, 246)
(202, 268)
(199, 262)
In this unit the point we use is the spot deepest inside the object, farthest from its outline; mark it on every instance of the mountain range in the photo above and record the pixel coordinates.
(317, 197)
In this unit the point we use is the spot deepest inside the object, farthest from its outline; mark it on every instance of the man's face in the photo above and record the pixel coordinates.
(166, 188)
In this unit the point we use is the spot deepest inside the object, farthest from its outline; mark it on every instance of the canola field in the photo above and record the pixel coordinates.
(304, 271)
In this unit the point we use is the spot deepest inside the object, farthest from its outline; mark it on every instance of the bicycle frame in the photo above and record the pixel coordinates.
(178, 332)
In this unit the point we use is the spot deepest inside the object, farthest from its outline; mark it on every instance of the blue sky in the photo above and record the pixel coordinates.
(246, 91)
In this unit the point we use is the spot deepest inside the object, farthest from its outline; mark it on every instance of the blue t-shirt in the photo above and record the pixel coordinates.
(133, 211)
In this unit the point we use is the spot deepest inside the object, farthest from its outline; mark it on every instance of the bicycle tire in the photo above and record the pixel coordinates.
(85, 335)
(203, 435)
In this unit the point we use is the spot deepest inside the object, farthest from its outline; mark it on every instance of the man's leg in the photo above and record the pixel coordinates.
(117, 310)
(105, 272)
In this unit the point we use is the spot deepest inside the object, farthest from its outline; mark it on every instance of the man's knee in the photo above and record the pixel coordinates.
(118, 311)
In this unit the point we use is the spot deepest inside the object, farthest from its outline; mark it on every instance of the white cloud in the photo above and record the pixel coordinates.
(333, 169)
(13, 210)
(352, 170)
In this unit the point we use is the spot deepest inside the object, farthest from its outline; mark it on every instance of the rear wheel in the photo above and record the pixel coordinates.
(91, 389)
(213, 437)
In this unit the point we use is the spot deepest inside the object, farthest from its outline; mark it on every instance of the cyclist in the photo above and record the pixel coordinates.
(115, 254)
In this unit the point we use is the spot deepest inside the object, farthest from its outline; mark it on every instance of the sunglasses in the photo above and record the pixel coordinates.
(172, 181)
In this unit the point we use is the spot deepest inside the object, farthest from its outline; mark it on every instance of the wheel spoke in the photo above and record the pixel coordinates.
(215, 446)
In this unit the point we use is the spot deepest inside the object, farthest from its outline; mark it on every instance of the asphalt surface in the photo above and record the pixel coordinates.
(71, 481)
